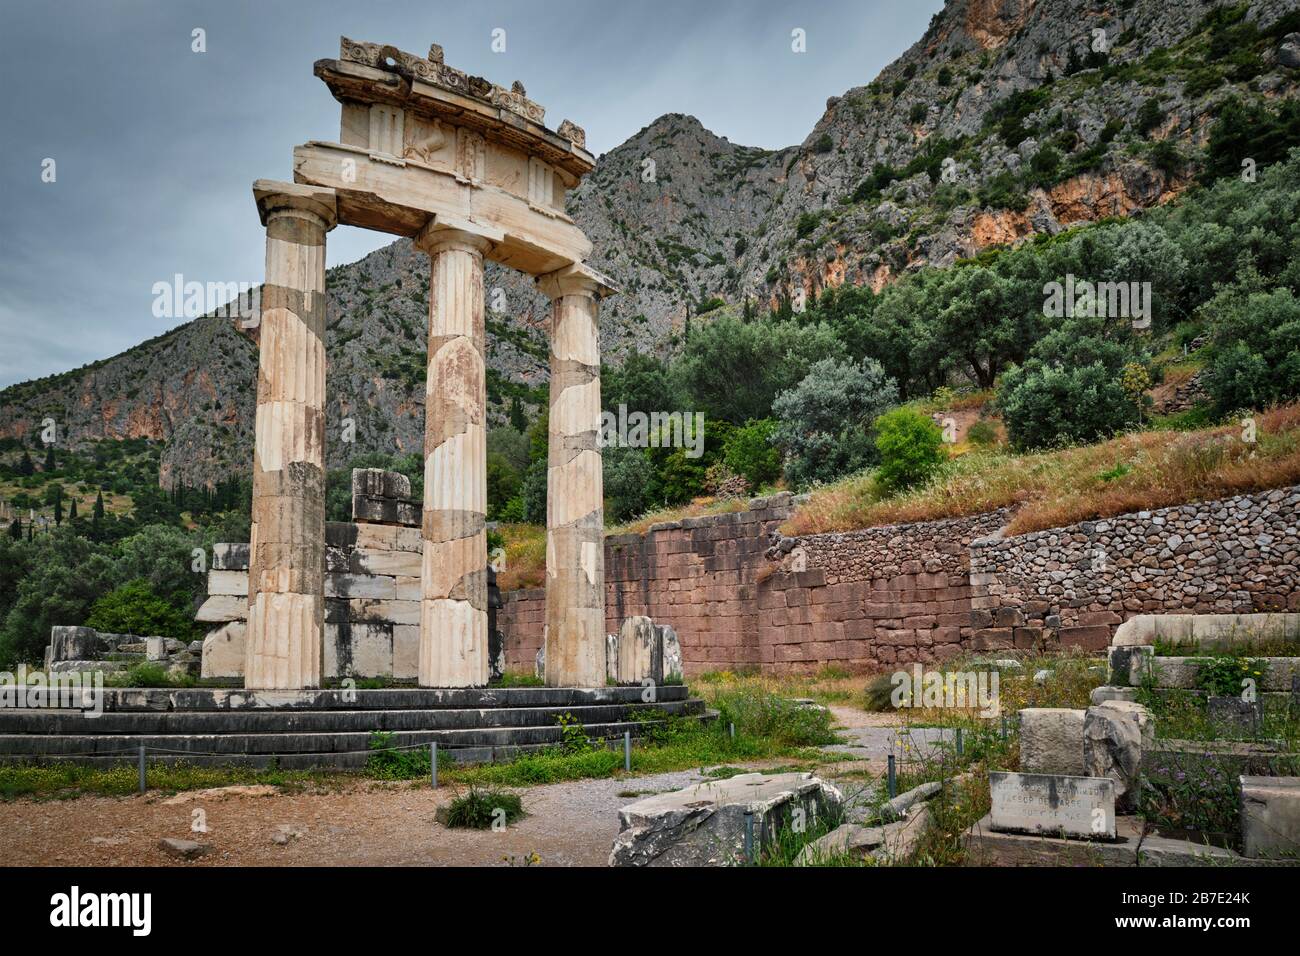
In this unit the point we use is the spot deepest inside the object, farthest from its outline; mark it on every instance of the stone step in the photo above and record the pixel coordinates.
(121, 700)
(64, 722)
(289, 750)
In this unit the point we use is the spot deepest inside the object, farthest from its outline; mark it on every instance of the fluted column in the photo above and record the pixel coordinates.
(286, 601)
(453, 599)
(575, 511)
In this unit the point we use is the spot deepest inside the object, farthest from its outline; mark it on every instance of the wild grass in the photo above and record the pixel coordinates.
(483, 809)
(62, 780)
(697, 508)
(1133, 472)
(827, 685)
(525, 546)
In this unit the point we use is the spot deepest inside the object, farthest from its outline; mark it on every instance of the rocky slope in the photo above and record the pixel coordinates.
(1008, 118)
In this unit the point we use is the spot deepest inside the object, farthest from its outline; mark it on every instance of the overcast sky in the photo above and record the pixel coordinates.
(156, 147)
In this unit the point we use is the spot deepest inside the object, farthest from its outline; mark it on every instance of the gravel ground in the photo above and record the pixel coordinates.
(360, 823)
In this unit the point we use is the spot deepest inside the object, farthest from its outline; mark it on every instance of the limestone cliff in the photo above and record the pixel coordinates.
(1007, 119)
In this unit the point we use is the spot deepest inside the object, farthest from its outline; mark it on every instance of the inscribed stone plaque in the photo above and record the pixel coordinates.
(1053, 804)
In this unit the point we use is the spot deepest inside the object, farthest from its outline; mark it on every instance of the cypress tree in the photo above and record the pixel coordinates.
(16, 529)
(49, 458)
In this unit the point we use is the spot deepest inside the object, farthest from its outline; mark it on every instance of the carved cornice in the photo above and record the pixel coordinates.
(433, 70)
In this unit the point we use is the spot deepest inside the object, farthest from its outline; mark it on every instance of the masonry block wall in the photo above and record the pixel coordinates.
(872, 597)
(372, 590)
(876, 597)
(697, 574)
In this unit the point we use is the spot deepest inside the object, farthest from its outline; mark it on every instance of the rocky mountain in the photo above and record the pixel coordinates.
(1007, 119)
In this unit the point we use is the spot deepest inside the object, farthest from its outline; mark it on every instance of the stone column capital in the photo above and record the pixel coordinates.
(575, 279)
(441, 236)
(274, 197)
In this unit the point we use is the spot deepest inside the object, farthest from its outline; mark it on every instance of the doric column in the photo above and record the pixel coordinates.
(286, 600)
(575, 510)
(453, 599)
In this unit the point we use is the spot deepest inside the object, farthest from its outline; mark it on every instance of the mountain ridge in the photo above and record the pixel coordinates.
(1002, 122)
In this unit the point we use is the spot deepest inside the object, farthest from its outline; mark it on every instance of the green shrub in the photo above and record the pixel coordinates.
(982, 433)
(1003, 191)
(135, 608)
(823, 420)
(760, 714)
(1222, 676)
(1070, 391)
(1256, 354)
(910, 446)
(482, 809)
(749, 452)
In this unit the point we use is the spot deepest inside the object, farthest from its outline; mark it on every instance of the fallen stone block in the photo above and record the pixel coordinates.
(1051, 740)
(848, 839)
(704, 825)
(1115, 734)
(1270, 817)
(1107, 692)
(988, 847)
(69, 643)
(104, 667)
(640, 658)
(902, 836)
(896, 808)
(182, 849)
(223, 651)
(1156, 850)
(1052, 804)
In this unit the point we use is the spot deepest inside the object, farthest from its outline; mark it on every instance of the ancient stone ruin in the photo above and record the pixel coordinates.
(467, 170)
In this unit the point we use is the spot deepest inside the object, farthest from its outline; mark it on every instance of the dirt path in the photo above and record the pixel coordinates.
(358, 823)
(374, 824)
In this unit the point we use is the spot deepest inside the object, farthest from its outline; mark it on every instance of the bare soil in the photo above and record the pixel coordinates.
(356, 823)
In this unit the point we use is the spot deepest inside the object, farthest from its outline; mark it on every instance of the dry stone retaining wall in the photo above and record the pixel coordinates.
(1233, 556)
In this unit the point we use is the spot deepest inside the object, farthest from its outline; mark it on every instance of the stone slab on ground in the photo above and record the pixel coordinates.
(182, 849)
(1156, 850)
(1108, 692)
(1054, 804)
(1051, 740)
(1270, 817)
(848, 839)
(988, 847)
(704, 825)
